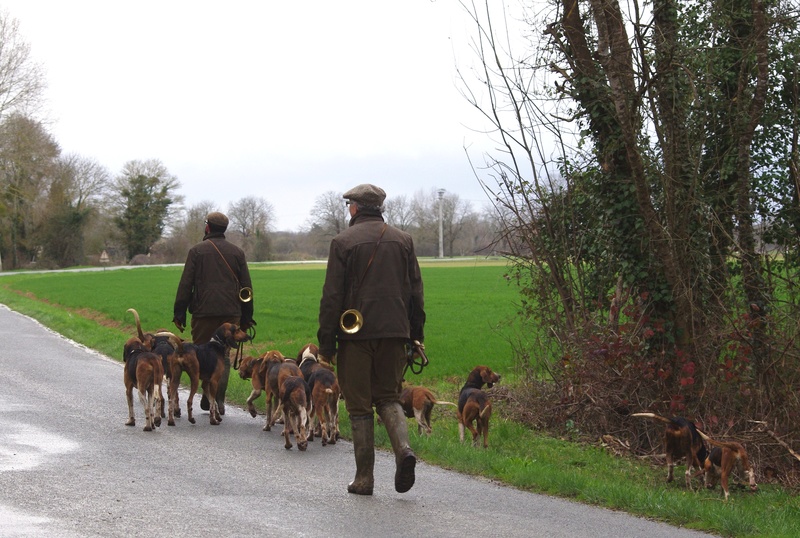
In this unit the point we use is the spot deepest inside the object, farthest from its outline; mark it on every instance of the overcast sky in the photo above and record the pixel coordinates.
(283, 100)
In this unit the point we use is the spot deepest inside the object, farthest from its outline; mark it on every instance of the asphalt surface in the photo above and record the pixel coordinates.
(69, 467)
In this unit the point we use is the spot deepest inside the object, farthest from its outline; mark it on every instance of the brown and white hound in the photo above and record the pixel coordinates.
(725, 458)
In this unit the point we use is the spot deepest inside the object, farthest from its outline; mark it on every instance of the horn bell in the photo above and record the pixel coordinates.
(246, 295)
(351, 321)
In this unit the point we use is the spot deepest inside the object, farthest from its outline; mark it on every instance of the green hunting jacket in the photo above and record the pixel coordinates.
(209, 286)
(389, 294)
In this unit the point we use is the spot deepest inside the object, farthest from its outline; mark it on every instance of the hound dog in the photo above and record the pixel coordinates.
(418, 402)
(257, 370)
(474, 405)
(325, 394)
(205, 363)
(143, 371)
(295, 397)
(165, 345)
(681, 440)
(275, 377)
(724, 458)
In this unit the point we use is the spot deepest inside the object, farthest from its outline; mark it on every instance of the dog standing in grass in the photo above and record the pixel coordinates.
(725, 458)
(681, 440)
(475, 406)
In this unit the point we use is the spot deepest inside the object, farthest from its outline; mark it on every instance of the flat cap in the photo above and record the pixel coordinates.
(366, 194)
(217, 219)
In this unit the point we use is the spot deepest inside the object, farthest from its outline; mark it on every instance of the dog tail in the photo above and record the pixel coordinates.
(486, 409)
(653, 416)
(732, 445)
(138, 325)
(441, 402)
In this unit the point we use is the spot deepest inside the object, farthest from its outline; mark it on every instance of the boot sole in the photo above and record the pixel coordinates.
(404, 478)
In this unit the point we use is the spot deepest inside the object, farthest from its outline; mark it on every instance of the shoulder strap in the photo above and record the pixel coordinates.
(224, 260)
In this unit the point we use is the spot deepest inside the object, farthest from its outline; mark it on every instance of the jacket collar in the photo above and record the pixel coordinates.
(214, 235)
(365, 216)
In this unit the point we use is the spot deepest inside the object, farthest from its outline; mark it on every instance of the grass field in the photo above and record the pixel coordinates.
(468, 305)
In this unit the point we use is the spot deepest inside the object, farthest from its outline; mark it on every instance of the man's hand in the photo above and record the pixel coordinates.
(247, 323)
(327, 361)
(179, 323)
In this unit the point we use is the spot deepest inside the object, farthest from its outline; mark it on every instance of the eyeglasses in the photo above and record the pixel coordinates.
(347, 203)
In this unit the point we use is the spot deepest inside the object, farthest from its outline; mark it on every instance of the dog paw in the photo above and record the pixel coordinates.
(170, 423)
(131, 422)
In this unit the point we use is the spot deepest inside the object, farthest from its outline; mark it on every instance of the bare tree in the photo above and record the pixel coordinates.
(186, 230)
(21, 79)
(76, 186)
(251, 218)
(329, 214)
(397, 212)
(457, 215)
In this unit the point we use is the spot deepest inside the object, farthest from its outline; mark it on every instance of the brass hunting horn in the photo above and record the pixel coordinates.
(351, 321)
(246, 295)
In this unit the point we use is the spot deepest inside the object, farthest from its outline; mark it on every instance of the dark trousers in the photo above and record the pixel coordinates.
(202, 331)
(370, 373)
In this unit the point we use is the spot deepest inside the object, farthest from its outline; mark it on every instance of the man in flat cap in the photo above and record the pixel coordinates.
(372, 268)
(214, 272)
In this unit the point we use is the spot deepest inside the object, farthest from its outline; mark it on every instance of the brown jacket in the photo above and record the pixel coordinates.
(208, 287)
(389, 297)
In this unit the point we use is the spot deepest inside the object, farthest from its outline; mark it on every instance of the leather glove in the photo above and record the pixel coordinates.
(327, 360)
(247, 323)
(180, 323)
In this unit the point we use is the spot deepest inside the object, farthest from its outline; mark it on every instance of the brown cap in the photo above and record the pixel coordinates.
(366, 194)
(217, 219)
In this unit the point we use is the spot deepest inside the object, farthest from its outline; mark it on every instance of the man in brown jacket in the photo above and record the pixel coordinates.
(214, 272)
(372, 267)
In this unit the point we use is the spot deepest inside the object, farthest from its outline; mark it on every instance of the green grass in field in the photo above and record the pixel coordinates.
(466, 305)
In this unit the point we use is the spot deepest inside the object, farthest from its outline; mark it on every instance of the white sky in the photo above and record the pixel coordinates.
(279, 99)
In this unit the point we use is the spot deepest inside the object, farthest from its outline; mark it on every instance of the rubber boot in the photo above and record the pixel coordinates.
(364, 446)
(405, 460)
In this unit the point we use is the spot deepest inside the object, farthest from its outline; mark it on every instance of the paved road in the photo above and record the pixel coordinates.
(69, 467)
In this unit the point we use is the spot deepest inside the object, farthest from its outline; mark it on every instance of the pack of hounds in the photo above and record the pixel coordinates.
(301, 392)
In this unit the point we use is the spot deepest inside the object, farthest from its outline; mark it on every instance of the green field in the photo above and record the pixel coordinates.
(468, 306)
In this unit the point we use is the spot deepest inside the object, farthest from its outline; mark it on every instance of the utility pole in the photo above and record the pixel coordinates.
(441, 236)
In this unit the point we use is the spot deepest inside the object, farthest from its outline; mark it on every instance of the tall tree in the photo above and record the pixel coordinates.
(77, 185)
(141, 198)
(27, 161)
(656, 194)
(21, 87)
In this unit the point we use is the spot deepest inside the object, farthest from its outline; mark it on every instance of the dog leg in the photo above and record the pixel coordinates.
(250, 399)
(129, 396)
(147, 405)
(158, 403)
(460, 429)
(287, 425)
(300, 429)
(418, 416)
(172, 396)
